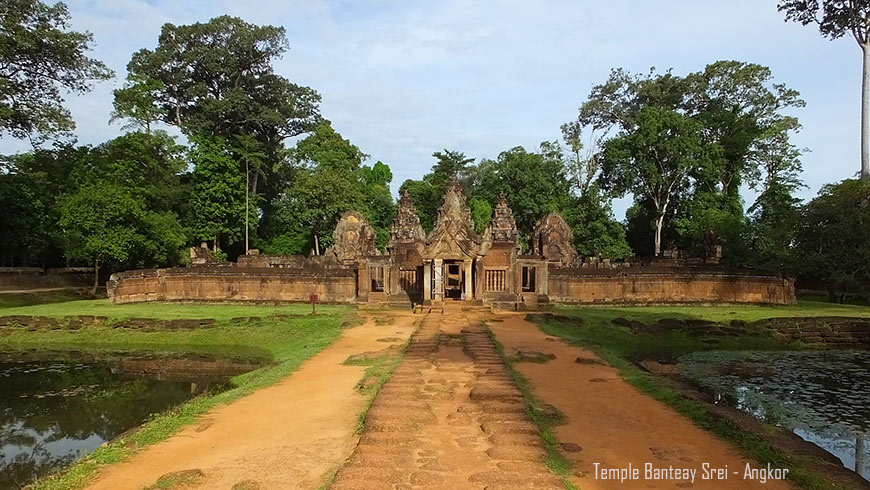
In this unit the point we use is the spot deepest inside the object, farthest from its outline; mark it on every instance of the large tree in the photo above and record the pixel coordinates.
(654, 160)
(40, 56)
(326, 178)
(835, 19)
(119, 206)
(217, 199)
(833, 235)
(216, 79)
(742, 121)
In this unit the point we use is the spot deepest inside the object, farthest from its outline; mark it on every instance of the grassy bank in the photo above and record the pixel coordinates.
(598, 331)
(621, 347)
(287, 341)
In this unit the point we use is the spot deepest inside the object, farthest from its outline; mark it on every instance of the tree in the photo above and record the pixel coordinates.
(327, 178)
(428, 191)
(534, 183)
(96, 220)
(135, 102)
(838, 18)
(832, 237)
(740, 113)
(217, 199)
(39, 57)
(215, 79)
(654, 160)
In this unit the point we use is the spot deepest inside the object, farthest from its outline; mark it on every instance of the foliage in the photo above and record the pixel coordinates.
(328, 179)
(39, 57)
(833, 235)
(217, 198)
(741, 124)
(118, 206)
(834, 18)
(428, 191)
(533, 182)
(654, 160)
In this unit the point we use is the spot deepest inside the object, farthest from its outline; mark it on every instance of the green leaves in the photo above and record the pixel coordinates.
(39, 58)
(217, 199)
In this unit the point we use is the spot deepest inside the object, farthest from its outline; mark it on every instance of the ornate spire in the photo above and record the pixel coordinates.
(406, 226)
(353, 237)
(502, 225)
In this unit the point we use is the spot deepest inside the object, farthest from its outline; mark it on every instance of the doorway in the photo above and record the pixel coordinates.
(454, 280)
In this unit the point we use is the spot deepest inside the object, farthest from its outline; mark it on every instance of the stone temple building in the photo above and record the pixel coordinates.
(452, 263)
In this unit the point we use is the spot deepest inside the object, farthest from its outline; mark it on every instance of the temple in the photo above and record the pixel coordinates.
(453, 263)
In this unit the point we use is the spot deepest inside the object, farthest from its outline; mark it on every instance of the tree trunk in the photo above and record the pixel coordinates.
(316, 245)
(659, 223)
(865, 115)
(96, 277)
(247, 212)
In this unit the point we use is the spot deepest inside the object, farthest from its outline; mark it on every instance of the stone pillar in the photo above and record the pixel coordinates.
(438, 270)
(469, 291)
(427, 280)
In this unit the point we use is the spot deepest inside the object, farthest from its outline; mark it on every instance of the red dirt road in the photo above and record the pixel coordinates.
(615, 425)
(288, 436)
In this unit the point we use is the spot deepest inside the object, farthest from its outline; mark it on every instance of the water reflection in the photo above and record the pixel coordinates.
(54, 412)
(820, 395)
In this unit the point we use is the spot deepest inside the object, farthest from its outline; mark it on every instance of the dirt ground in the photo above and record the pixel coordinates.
(292, 435)
(449, 418)
(611, 423)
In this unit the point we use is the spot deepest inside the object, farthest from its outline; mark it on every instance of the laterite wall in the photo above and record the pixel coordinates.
(231, 284)
(679, 285)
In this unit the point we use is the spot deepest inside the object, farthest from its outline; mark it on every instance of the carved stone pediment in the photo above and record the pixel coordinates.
(453, 235)
(554, 239)
(406, 226)
(353, 237)
(502, 226)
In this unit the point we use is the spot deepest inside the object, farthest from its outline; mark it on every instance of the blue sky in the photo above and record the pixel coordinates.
(404, 79)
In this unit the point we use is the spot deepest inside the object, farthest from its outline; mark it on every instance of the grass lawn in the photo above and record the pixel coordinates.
(621, 348)
(287, 342)
(597, 330)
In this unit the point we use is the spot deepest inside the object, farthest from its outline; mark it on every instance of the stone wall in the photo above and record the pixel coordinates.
(14, 278)
(656, 285)
(233, 284)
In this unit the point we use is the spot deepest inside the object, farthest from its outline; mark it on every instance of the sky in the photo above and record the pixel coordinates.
(403, 79)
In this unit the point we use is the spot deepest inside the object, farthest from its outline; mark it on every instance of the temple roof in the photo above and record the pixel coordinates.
(502, 226)
(406, 226)
(453, 235)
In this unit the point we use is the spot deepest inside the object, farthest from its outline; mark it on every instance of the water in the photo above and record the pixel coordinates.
(54, 412)
(822, 396)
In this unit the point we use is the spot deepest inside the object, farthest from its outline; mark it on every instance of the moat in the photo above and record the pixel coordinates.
(819, 395)
(55, 411)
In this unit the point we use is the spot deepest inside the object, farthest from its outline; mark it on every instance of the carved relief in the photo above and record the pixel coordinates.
(502, 226)
(454, 234)
(554, 239)
(354, 237)
(406, 226)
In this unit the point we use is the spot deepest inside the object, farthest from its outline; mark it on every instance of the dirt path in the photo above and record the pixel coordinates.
(612, 423)
(449, 418)
(287, 436)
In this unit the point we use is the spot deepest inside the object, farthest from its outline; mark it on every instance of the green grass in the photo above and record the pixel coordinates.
(9, 300)
(556, 461)
(598, 331)
(287, 342)
(620, 347)
(166, 311)
(719, 313)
